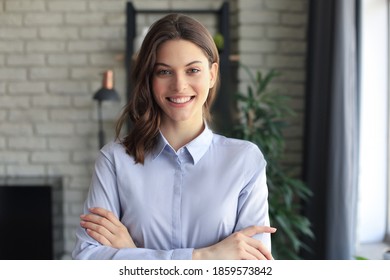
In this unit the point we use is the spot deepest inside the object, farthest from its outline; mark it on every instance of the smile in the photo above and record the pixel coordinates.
(180, 100)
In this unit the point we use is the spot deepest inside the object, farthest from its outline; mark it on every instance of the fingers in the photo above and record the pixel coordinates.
(252, 248)
(100, 225)
(95, 230)
(255, 247)
(103, 217)
(238, 246)
(97, 223)
(98, 237)
(253, 230)
(261, 251)
(252, 253)
(103, 226)
(106, 214)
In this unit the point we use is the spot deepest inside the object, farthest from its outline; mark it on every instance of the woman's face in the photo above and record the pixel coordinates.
(181, 81)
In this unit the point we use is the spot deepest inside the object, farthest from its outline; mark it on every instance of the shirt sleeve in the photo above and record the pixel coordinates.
(253, 199)
(103, 193)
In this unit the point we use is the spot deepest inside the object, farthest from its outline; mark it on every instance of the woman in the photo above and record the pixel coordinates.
(171, 188)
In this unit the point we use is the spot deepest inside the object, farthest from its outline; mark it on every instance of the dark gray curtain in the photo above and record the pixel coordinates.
(331, 148)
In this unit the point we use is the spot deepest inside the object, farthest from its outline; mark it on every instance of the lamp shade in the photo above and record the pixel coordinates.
(104, 94)
(107, 91)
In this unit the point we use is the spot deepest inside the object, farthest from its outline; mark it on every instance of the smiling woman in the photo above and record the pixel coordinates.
(171, 188)
(181, 82)
(144, 113)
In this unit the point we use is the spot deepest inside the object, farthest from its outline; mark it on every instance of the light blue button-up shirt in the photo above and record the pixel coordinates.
(178, 201)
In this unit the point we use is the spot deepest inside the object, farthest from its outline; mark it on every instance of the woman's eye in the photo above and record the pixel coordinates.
(163, 72)
(193, 70)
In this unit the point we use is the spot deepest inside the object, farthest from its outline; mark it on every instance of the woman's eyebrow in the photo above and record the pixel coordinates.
(167, 65)
(194, 62)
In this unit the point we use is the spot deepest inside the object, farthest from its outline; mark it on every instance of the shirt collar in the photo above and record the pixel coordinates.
(196, 148)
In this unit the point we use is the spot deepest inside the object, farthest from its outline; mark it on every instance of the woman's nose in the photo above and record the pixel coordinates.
(179, 83)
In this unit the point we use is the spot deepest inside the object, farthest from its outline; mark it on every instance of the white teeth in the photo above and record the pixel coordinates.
(180, 100)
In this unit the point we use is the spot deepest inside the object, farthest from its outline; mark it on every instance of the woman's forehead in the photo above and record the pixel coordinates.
(179, 52)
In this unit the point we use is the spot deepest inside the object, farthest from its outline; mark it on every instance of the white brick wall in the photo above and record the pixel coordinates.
(272, 35)
(52, 54)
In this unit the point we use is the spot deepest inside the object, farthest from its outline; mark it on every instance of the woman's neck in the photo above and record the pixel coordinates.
(179, 134)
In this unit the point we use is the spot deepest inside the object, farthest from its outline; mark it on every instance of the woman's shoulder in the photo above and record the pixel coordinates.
(112, 147)
(114, 150)
(243, 153)
(241, 146)
(232, 142)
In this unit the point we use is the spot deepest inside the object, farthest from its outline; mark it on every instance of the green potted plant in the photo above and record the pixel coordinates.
(262, 116)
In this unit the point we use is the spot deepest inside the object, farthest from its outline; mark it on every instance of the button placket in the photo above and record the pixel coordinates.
(177, 199)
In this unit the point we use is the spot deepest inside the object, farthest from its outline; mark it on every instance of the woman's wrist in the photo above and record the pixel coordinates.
(200, 254)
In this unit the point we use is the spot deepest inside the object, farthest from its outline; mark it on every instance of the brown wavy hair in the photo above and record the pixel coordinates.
(142, 110)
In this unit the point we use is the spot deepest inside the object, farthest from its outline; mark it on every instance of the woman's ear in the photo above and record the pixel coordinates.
(213, 74)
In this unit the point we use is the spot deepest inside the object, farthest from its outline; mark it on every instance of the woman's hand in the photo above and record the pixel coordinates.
(104, 227)
(238, 246)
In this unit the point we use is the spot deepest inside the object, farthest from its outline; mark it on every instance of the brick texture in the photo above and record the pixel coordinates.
(272, 35)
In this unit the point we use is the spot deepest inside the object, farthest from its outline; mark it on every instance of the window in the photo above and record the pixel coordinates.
(373, 204)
